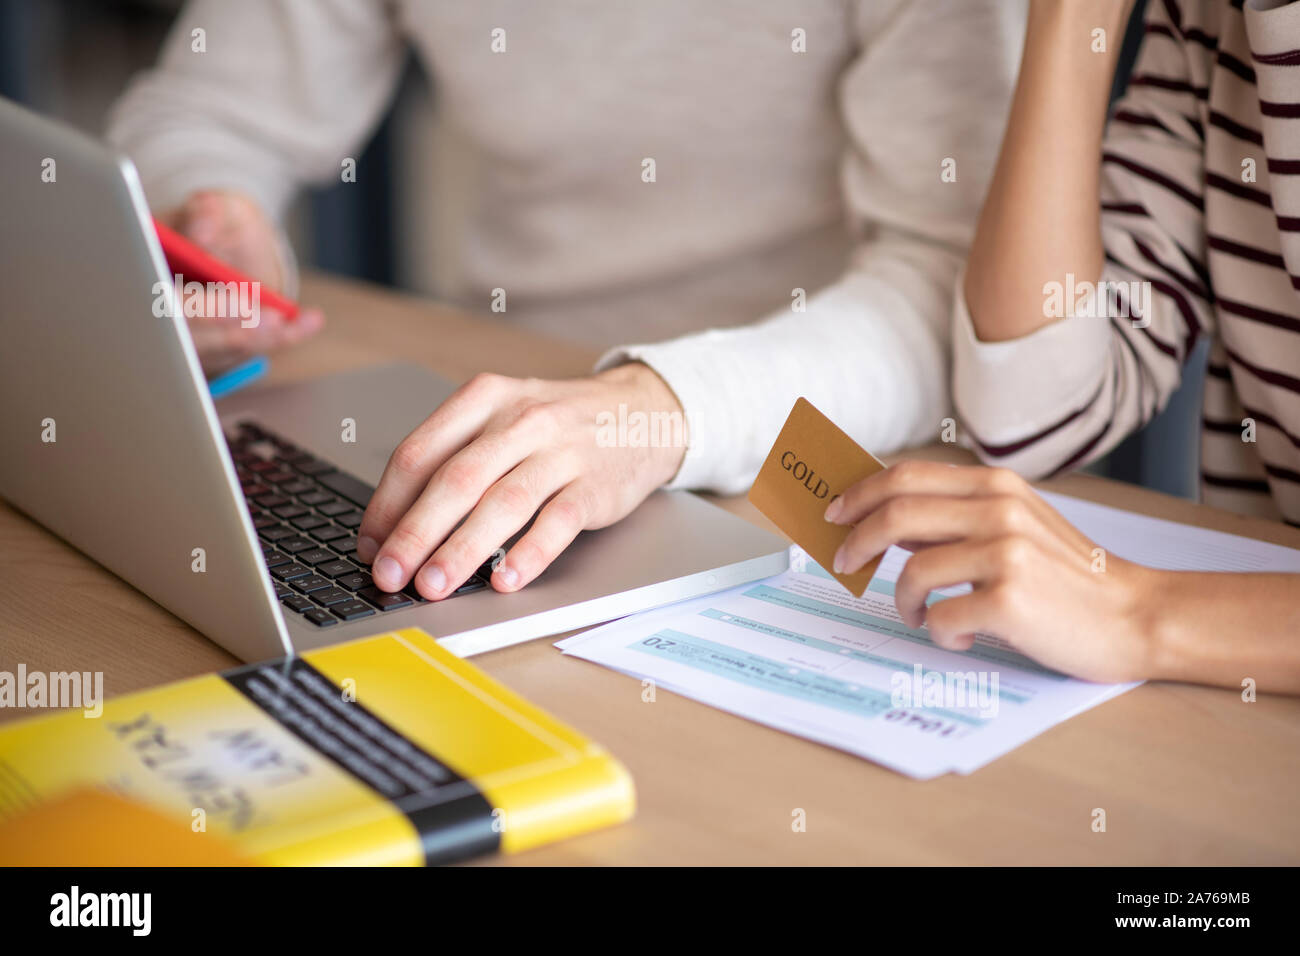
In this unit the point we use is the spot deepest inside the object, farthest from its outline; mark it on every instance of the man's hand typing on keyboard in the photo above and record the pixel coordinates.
(499, 451)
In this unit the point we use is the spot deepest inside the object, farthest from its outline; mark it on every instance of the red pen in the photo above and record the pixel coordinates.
(197, 265)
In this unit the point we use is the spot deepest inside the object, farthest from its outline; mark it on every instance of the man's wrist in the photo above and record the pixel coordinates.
(648, 393)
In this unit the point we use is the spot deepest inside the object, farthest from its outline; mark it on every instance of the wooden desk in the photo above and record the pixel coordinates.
(1185, 774)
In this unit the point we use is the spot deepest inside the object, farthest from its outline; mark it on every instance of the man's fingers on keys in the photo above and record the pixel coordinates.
(451, 427)
(507, 507)
(558, 523)
(452, 492)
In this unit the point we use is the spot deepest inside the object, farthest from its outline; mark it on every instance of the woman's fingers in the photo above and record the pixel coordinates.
(954, 622)
(979, 563)
(933, 520)
(929, 497)
(920, 478)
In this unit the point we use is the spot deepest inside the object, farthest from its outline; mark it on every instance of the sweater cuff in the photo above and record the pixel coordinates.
(1017, 387)
(684, 367)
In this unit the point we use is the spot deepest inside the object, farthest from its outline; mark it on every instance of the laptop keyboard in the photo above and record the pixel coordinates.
(306, 513)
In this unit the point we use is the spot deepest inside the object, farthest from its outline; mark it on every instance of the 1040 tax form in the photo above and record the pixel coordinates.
(799, 653)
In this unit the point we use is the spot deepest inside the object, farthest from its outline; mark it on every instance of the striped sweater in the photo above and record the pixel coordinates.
(1201, 205)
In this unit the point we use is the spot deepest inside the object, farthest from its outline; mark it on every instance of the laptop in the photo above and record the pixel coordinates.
(239, 516)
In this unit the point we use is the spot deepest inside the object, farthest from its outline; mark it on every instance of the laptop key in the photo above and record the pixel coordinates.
(385, 600)
(344, 545)
(255, 490)
(275, 558)
(312, 582)
(299, 486)
(316, 556)
(271, 501)
(473, 584)
(328, 533)
(353, 489)
(290, 511)
(287, 572)
(280, 477)
(314, 467)
(333, 508)
(350, 520)
(355, 582)
(308, 522)
(352, 610)
(265, 521)
(336, 568)
(275, 533)
(314, 498)
(297, 603)
(281, 590)
(327, 597)
(320, 618)
(294, 545)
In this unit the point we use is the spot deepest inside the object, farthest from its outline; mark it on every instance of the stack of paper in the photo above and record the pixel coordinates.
(799, 653)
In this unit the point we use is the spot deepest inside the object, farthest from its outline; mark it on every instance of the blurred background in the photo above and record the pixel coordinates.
(72, 58)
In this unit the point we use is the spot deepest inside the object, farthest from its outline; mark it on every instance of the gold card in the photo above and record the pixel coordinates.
(811, 463)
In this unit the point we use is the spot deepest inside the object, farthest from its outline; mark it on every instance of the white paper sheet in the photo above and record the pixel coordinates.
(799, 653)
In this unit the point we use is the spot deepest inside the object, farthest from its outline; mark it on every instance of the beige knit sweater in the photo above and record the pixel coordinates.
(795, 146)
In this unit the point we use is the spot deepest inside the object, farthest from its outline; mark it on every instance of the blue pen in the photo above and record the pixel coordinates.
(239, 376)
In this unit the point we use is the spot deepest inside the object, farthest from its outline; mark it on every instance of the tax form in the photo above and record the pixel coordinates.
(799, 653)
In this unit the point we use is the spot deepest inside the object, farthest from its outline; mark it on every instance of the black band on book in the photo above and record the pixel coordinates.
(452, 817)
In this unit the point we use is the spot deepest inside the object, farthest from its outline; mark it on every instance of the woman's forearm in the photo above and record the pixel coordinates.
(1224, 628)
(1041, 219)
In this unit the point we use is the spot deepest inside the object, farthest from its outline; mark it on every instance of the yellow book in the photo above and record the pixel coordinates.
(384, 750)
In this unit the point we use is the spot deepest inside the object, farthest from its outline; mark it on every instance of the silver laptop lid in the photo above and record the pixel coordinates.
(108, 435)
